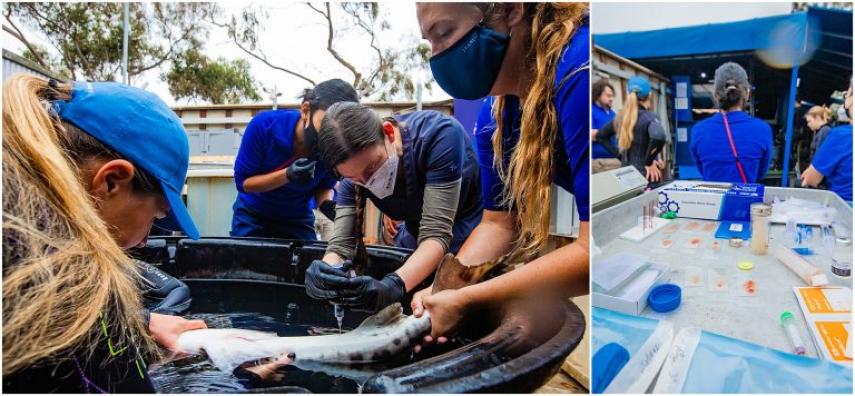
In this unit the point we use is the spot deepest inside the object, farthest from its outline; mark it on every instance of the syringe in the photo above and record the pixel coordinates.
(338, 310)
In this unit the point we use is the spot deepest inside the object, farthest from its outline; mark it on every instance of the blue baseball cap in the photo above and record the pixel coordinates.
(639, 85)
(144, 130)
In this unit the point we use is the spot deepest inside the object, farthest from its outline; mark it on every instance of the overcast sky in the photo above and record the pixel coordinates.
(622, 17)
(295, 36)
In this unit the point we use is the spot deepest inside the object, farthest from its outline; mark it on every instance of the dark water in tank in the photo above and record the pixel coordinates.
(281, 309)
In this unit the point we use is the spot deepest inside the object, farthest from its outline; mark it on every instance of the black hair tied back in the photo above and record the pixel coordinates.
(732, 95)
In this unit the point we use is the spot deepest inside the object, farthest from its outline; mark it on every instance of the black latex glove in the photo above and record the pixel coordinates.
(368, 292)
(324, 282)
(301, 171)
(328, 209)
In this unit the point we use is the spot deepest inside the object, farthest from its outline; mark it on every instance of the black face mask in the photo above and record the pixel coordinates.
(310, 135)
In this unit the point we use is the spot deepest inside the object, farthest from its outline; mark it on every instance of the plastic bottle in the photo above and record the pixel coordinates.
(760, 213)
(788, 323)
(841, 260)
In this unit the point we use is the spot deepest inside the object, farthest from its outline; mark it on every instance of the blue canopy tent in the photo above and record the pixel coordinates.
(807, 53)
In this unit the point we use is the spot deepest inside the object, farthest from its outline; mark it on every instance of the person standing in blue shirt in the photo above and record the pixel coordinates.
(833, 159)
(276, 170)
(732, 146)
(419, 168)
(601, 113)
(535, 58)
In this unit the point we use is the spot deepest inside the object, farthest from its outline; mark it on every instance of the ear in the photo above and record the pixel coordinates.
(389, 131)
(304, 111)
(113, 178)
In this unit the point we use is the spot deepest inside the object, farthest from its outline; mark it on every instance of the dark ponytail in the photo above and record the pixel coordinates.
(360, 255)
(731, 97)
(347, 129)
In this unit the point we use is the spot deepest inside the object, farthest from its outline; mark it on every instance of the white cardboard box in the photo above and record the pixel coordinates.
(629, 306)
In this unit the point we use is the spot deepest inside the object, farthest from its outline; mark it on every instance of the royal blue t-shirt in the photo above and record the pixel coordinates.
(600, 117)
(267, 145)
(834, 160)
(711, 150)
(572, 100)
(436, 150)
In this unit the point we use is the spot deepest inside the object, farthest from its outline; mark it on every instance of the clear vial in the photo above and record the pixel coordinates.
(788, 323)
(841, 260)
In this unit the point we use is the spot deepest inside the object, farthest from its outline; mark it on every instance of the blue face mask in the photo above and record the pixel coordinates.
(468, 69)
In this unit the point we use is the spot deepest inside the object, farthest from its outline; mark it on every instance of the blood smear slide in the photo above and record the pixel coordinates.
(694, 243)
(709, 227)
(671, 228)
(694, 276)
(717, 281)
(666, 243)
(692, 226)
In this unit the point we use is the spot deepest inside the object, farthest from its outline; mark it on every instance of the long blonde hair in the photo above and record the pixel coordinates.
(528, 179)
(62, 270)
(625, 121)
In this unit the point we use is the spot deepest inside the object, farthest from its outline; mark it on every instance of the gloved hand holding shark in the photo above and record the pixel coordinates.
(379, 337)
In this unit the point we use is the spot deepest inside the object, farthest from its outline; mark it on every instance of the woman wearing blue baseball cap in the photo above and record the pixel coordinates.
(731, 146)
(535, 58)
(639, 132)
(87, 169)
(276, 170)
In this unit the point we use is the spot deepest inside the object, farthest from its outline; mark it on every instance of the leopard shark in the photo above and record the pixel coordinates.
(377, 338)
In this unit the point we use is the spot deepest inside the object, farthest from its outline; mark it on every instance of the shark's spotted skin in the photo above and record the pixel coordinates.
(378, 338)
(370, 342)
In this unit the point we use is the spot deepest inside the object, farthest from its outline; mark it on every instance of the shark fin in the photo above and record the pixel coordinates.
(387, 316)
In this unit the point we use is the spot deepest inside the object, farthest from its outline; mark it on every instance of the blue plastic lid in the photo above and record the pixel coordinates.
(664, 298)
(606, 364)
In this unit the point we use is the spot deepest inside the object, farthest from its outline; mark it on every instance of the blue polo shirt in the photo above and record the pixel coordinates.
(267, 145)
(572, 98)
(834, 160)
(711, 150)
(600, 117)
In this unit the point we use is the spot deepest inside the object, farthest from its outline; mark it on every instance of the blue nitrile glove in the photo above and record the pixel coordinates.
(324, 282)
(301, 171)
(368, 292)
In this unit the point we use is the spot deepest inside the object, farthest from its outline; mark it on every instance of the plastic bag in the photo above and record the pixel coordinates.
(703, 362)
(646, 340)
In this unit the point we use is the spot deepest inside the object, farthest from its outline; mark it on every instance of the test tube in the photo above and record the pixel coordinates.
(788, 323)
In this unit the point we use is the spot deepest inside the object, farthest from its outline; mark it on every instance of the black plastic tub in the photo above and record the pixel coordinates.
(513, 349)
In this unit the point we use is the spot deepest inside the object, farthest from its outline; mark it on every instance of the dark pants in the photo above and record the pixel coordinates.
(246, 223)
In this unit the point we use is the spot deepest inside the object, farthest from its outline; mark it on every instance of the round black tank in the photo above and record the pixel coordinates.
(515, 348)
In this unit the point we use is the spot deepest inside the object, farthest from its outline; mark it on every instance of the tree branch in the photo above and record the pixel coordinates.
(20, 36)
(80, 56)
(263, 59)
(357, 77)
